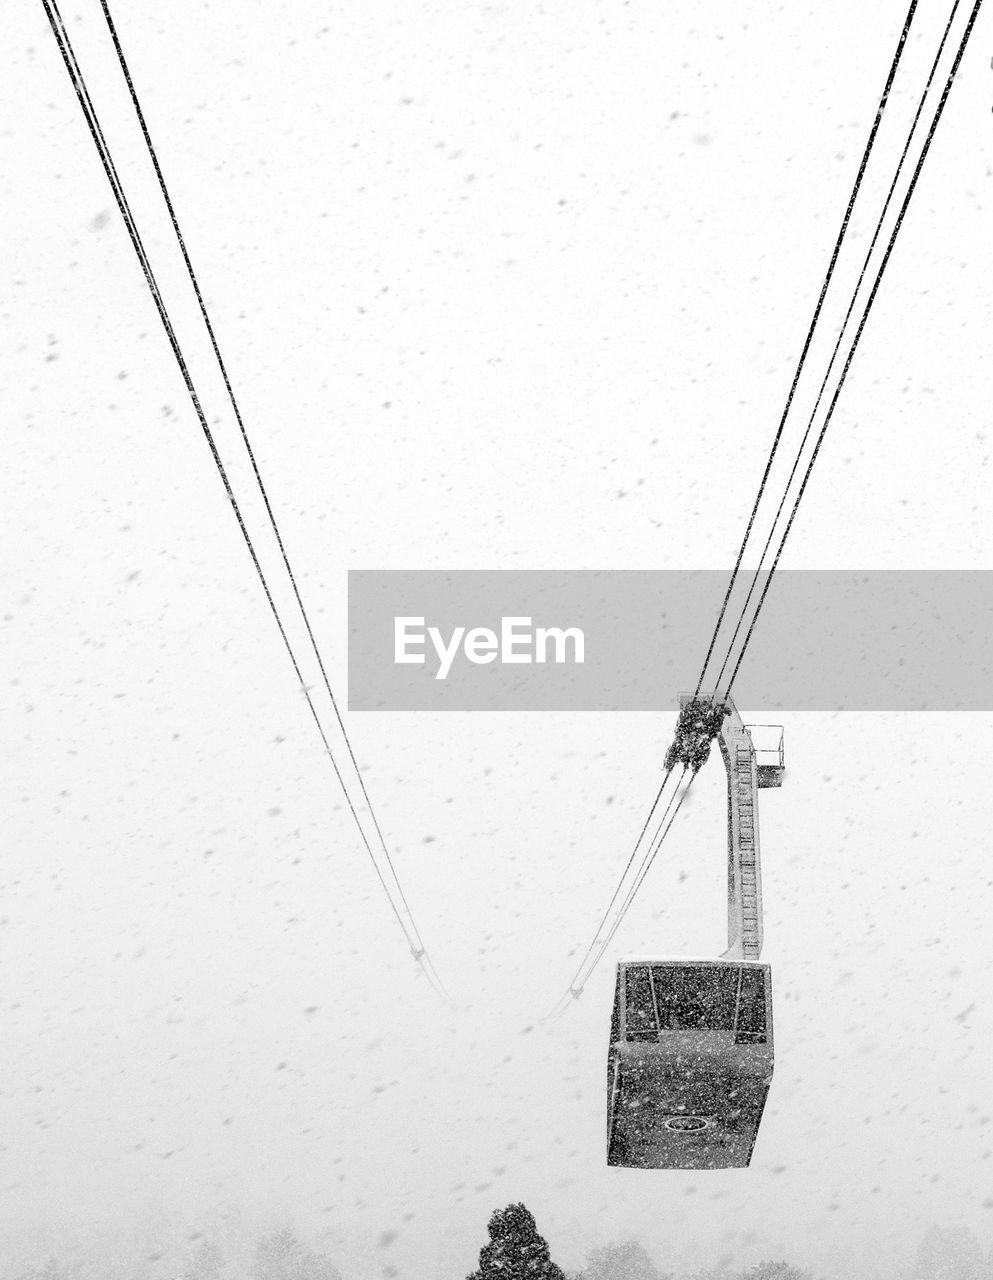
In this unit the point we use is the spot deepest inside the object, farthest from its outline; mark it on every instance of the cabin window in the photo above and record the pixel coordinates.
(750, 1027)
(695, 997)
(640, 1023)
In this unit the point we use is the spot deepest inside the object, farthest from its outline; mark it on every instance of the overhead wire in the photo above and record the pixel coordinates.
(646, 866)
(715, 696)
(829, 274)
(64, 43)
(125, 69)
(575, 988)
(865, 315)
(884, 98)
(834, 354)
(662, 830)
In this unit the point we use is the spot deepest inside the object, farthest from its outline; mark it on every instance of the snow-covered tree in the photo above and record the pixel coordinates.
(776, 1271)
(50, 1271)
(516, 1251)
(949, 1253)
(205, 1263)
(626, 1261)
(281, 1256)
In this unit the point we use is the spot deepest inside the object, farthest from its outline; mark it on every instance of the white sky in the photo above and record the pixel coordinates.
(478, 271)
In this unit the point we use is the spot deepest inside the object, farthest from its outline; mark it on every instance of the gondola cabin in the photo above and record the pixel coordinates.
(690, 1063)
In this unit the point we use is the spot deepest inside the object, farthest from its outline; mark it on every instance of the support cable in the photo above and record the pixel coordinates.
(810, 331)
(716, 697)
(782, 423)
(837, 346)
(858, 334)
(574, 991)
(244, 435)
(617, 890)
(96, 132)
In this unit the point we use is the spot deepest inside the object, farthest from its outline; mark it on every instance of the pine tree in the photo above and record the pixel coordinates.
(281, 1256)
(52, 1270)
(516, 1251)
(205, 1264)
(776, 1271)
(627, 1261)
(949, 1253)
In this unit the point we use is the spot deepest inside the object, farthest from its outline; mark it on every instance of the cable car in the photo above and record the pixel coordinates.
(690, 1063)
(691, 1048)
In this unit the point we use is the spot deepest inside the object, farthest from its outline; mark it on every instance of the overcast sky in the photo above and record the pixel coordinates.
(499, 286)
